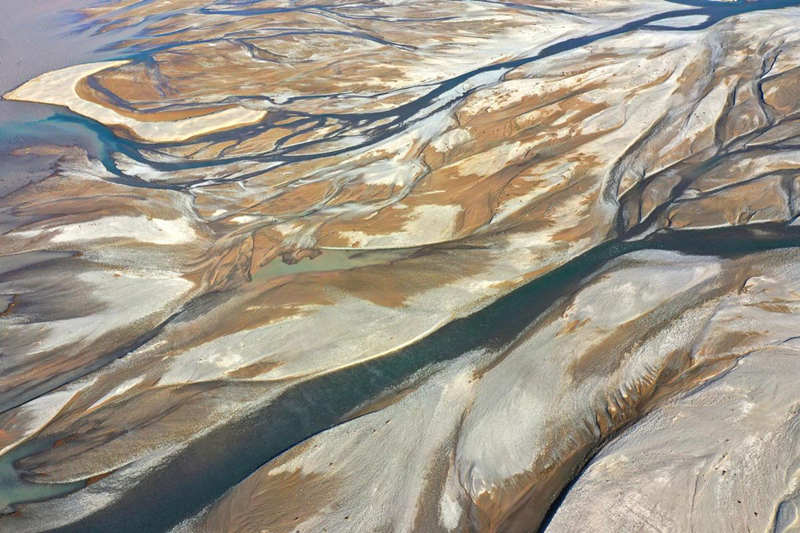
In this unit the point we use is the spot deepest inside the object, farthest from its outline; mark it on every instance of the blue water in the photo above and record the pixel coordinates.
(38, 36)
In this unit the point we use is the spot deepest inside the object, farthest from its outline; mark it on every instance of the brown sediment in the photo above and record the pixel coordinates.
(94, 479)
(254, 370)
(781, 92)
(286, 500)
(263, 142)
(10, 307)
(384, 401)
(84, 90)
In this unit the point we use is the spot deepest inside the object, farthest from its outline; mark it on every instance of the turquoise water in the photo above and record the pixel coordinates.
(13, 488)
(38, 36)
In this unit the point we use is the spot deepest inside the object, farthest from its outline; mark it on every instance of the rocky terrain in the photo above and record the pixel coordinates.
(438, 265)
